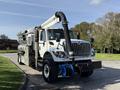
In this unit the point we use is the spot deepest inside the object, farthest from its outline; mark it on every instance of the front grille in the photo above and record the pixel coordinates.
(81, 49)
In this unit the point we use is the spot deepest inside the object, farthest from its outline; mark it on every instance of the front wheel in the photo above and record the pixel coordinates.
(50, 72)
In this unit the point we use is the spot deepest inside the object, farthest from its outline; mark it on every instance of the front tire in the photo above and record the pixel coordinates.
(50, 71)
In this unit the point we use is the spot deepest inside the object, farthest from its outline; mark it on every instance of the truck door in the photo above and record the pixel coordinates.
(42, 43)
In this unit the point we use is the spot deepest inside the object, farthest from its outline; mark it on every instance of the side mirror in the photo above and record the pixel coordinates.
(78, 36)
(92, 40)
(57, 39)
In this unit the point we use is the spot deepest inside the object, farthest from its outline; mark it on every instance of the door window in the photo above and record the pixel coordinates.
(43, 36)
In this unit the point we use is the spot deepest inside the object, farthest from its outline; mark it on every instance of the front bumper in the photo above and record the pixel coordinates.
(86, 63)
(69, 68)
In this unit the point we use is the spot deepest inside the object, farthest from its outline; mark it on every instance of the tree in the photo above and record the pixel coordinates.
(108, 36)
(82, 29)
(105, 31)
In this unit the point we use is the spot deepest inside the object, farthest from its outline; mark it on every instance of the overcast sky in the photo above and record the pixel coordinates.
(18, 15)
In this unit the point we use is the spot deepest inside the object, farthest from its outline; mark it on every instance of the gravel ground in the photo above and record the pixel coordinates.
(106, 78)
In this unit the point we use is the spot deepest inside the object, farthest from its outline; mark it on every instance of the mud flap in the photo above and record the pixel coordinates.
(96, 64)
(84, 67)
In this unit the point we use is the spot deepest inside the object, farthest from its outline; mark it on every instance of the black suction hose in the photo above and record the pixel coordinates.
(64, 21)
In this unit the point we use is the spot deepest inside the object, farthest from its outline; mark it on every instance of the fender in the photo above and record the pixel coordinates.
(46, 55)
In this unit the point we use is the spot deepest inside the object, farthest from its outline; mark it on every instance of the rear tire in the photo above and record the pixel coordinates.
(19, 59)
(50, 71)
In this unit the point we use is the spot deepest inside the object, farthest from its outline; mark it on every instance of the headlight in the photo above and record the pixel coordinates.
(59, 54)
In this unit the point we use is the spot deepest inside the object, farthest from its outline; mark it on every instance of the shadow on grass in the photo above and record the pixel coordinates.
(10, 80)
(1, 62)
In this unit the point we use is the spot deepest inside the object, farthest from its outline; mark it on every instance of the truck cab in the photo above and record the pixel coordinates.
(53, 41)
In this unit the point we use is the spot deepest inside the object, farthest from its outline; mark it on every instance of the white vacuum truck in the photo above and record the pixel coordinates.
(57, 51)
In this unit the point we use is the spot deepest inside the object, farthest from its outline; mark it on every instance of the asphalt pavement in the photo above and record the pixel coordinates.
(106, 78)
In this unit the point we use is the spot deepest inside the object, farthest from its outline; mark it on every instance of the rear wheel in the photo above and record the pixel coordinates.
(50, 71)
(19, 59)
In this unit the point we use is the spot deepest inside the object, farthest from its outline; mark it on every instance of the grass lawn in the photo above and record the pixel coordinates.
(10, 75)
(8, 51)
(103, 56)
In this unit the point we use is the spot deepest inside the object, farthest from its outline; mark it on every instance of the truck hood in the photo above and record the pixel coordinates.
(59, 45)
(75, 41)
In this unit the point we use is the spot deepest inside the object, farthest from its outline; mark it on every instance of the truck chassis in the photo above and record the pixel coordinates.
(58, 56)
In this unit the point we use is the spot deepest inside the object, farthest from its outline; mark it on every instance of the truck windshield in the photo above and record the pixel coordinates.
(55, 33)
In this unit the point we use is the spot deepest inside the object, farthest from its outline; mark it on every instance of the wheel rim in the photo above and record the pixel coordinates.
(46, 71)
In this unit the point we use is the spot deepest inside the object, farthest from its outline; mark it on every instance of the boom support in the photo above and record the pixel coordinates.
(50, 22)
